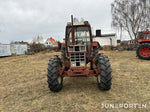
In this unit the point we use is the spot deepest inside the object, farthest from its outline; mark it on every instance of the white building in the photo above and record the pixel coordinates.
(18, 49)
(5, 50)
(106, 39)
(12, 49)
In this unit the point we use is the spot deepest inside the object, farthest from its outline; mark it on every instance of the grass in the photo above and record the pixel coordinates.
(23, 85)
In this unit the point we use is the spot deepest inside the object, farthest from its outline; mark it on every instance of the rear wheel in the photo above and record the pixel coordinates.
(104, 78)
(143, 51)
(55, 81)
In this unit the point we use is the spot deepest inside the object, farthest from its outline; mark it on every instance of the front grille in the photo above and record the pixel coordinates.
(77, 59)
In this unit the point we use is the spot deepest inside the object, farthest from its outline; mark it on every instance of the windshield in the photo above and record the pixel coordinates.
(139, 35)
(146, 36)
(82, 35)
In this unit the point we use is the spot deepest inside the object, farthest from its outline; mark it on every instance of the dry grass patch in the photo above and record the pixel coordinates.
(23, 85)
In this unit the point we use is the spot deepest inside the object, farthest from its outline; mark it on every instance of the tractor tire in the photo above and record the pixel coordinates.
(143, 51)
(95, 52)
(63, 55)
(55, 82)
(104, 78)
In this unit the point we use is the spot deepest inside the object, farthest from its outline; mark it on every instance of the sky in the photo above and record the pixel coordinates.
(23, 20)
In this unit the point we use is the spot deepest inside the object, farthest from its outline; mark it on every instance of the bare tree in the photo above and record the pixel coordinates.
(11, 42)
(82, 19)
(38, 39)
(131, 16)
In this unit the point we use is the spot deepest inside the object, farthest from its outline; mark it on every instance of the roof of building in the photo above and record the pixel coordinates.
(107, 35)
(52, 41)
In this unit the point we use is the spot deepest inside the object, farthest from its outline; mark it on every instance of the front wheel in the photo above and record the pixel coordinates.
(55, 81)
(104, 78)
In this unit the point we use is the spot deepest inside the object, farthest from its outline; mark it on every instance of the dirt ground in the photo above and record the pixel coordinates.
(23, 86)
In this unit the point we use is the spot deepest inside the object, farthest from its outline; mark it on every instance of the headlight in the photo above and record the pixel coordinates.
(73, 64)
(82, 64)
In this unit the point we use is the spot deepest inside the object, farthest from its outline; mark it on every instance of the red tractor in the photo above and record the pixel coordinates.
(143, 50)
(78, 51)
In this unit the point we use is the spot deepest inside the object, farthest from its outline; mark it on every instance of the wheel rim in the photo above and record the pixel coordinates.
(145, 51)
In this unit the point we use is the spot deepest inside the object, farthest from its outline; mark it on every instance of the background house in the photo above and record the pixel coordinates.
(51, 42)
(106, 39)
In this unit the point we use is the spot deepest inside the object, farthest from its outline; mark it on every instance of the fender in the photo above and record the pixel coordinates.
(95, 44)
(143, 41)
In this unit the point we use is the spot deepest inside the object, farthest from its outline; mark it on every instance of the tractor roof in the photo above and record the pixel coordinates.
(78, 23)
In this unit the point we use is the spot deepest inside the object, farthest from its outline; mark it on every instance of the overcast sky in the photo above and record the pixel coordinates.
(26, 19)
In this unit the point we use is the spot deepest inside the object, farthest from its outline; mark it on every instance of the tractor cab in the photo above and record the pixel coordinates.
(80, 36)
(78, 39)
(145, 37)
